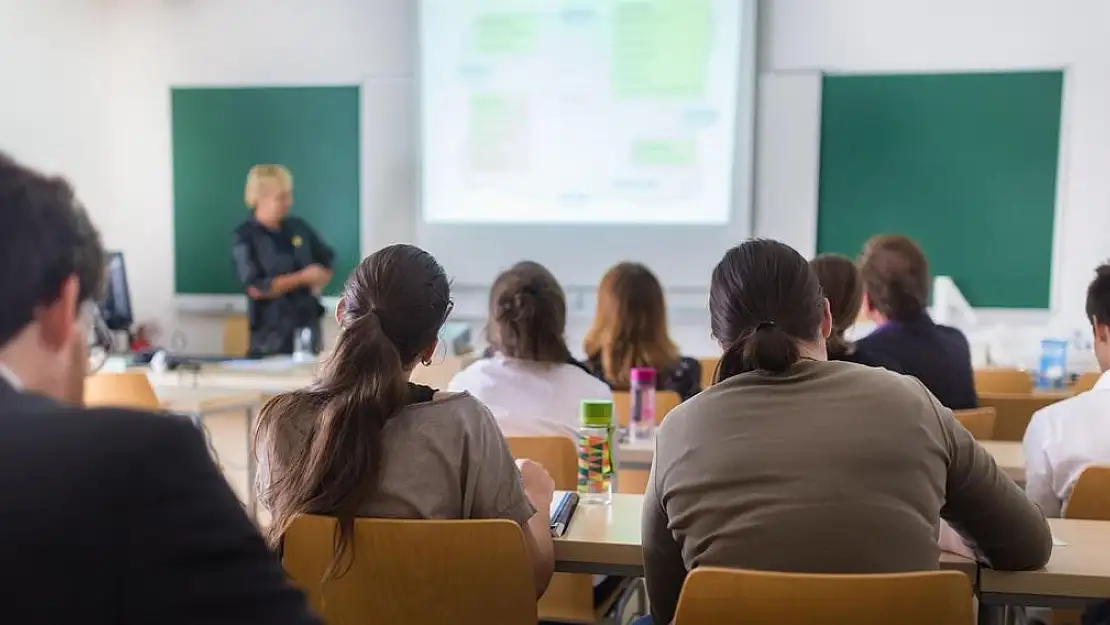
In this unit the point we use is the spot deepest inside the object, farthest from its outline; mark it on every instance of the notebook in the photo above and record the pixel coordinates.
(562, 508)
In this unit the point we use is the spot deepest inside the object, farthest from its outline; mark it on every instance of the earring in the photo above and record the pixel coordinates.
(427, 362)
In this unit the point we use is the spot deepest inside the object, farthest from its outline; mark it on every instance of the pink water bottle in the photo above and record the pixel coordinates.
(642, 392)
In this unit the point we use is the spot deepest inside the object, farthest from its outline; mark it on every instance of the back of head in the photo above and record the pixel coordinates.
(393, 306)
(47, 241)
(528, 315)
(764, 301)
(630, 325)
(841, 283)
(1098, 313)
(895, 276)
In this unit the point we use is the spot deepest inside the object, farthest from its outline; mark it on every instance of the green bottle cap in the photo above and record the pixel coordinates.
(597, 412)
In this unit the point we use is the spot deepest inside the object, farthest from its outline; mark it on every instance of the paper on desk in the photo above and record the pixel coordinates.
(1056, 542)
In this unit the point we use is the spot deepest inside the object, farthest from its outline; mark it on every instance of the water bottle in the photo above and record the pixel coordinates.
(302, 345)
(1053, 365)
(595, 452)
(642, 393)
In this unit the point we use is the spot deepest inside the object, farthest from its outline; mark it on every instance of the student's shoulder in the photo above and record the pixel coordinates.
(453, 410)
(115, 431)
(954, 334)
(584, 380)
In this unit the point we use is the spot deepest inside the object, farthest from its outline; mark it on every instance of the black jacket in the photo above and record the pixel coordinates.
(937, 355)
(111, 516)
(260, 255)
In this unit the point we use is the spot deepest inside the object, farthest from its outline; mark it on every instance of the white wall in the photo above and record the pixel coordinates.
(153, 44)
(53, 107)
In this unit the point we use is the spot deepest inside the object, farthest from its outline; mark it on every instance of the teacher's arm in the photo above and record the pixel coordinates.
(254, 280)
(322, 255)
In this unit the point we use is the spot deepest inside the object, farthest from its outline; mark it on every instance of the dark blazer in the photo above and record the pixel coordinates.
(937, 355)
(117, 517)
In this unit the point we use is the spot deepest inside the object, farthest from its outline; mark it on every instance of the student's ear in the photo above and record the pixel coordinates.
(826, 318)
(1101, 332)
(340, 310)
(58, 320)
(429, 353)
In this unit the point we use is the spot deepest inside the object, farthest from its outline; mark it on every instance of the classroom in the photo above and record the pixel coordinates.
(367, 251)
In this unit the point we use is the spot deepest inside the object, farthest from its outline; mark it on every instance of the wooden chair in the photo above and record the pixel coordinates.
(1089, 501)
(1086, 382)
(978, 421)
(708, 368)
(415, 572)
(1013, 411)
(665, 401)
(1003, 380)
(237, 336)
(569, 597)
(712, 596)
(130, 389)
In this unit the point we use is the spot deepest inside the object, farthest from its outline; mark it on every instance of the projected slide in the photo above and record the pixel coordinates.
(579, 111)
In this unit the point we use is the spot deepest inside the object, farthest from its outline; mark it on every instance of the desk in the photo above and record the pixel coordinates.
(1009, 456)
(201, 402)
(265, 382)
(1076, 575)
(605, 540)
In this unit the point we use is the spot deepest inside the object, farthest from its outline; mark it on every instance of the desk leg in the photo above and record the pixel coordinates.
(252, 496)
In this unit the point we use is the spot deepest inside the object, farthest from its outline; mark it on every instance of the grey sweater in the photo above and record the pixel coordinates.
(832, 467)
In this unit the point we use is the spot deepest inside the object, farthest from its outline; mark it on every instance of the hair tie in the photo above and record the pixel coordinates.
(765, 324)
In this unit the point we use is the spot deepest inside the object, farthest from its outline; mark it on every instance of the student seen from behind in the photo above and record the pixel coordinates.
(896, 292)
(842, 285)
(793, 463)
(629, 330)
(362, 441)
(1065, 438)
(109, 515)
(531, 383)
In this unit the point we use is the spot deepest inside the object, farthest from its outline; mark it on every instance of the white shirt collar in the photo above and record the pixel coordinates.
(1103, 383)
(9, 377)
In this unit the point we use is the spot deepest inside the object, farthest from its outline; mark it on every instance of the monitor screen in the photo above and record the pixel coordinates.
(116, 307)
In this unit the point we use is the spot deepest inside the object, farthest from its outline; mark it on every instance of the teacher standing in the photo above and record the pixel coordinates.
(281, 262)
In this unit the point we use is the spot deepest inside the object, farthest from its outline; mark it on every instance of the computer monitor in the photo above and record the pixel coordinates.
(116, 307)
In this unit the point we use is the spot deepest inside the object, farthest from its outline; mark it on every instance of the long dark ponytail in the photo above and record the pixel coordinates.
(394, 303)
(763, 301)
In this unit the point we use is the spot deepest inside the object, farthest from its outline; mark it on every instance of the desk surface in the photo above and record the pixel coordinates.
(606, 540)
(206, 400)
(1079, 570)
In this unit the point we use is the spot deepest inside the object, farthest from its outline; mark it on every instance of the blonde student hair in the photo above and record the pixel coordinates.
(262, 176)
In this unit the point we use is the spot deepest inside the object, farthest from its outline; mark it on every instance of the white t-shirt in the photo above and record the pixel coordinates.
(1062, 440)
(531, 398)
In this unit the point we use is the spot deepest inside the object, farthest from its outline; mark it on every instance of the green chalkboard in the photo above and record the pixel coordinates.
(219, 134)
(963, 163)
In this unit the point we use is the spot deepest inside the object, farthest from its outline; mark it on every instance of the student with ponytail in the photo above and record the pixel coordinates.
(363, 441)
(793, 463)
(530, 381)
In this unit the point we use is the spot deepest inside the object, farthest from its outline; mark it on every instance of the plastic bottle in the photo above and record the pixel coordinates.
(595, 452)
(642, 392)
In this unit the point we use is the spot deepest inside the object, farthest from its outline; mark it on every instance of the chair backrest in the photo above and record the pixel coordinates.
(1086, 381)
(237, 336)
(978, 421)
(708, 369)
(713, 596)
(1013, 411)
(1090, 499)
(556, 453)
(1003, 380)
(665, 401)
(415, 572)
(128, 389)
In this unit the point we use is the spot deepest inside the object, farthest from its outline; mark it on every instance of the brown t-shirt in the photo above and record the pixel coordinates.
(441, 459)
(832, 467)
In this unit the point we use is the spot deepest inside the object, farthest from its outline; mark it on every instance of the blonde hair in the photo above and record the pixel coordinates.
(261, 176)
(630, 324)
